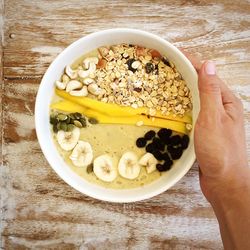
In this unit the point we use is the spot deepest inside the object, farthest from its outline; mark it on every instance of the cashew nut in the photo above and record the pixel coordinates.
(73, 85)
(94, 89)
(65, 78)
(61, 85)
(82, 92)
(86, 73)
(88, 81)
(90, 60)
(70, 72)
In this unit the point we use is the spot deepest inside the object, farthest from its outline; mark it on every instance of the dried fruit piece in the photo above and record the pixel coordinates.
(164, 134)
(149, 67)
(166, 156)
(175, 153)
(150, 148)
(149, 135)
(158, 144)
(184, 141)
(129, 63)
(158, 155)
(165, 166)
(141, 142)
(175, 140)
(165, 61)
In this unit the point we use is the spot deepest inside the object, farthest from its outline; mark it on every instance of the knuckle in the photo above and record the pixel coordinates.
(238, 103)
(210, 86)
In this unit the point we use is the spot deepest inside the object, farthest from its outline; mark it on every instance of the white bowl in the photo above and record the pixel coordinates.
(46, 90)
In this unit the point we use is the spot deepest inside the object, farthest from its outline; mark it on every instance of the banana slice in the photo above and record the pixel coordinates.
(128, 166)
(149, 161)
(82, 154)
(68, 140)
(104, 168)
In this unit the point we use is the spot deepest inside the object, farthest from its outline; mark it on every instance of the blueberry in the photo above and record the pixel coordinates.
(149, 135)
(176, 153)
(141, 142)
(150, 148)
(160, 167)
(166, 157)
(167, 164)
(175, 140)
(164, 134)
(158, 144)
(170, 148)
(158, 155)
(164, 167)
(184, 141)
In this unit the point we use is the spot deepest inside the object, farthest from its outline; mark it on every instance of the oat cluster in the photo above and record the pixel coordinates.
(130, 75)
(139, 77)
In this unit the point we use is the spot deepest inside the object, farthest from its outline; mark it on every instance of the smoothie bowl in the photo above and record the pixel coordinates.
(115, 113)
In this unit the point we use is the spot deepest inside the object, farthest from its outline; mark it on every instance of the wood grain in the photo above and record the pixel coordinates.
(40, 211)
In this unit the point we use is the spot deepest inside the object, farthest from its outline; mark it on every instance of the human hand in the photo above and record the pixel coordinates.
(219, 135)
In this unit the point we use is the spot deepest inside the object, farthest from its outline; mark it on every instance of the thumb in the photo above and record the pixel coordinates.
(209, 88)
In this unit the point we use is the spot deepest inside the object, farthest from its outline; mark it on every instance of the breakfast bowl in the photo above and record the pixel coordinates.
(52, 129)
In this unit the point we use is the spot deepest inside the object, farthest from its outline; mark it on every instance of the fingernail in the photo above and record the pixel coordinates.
(210, 68)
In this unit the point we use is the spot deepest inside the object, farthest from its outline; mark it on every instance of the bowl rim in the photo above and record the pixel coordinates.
(62, 174)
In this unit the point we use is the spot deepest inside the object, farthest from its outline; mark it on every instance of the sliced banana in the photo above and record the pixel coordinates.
(68, 140)
(128, 166)
(149, 161)
(104, 168)
(82, 154)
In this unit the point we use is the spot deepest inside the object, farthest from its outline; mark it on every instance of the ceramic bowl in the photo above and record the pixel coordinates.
(46, 91)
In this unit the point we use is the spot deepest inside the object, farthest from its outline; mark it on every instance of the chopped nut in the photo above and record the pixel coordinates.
(139, 123)
(189, 126)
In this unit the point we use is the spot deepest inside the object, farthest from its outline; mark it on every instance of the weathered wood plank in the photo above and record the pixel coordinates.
(40, 211)
(215, 34)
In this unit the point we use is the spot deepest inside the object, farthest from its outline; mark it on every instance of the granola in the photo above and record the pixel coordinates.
(130, 75)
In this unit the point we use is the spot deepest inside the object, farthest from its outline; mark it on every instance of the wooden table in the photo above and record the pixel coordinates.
(39, 210)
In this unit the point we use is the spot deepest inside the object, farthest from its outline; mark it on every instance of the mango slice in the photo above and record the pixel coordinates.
(116, 110)
(68, 106)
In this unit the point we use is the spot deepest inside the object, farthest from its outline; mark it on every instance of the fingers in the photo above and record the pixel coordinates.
(227, 96)
(209, 89)
(196, 62)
